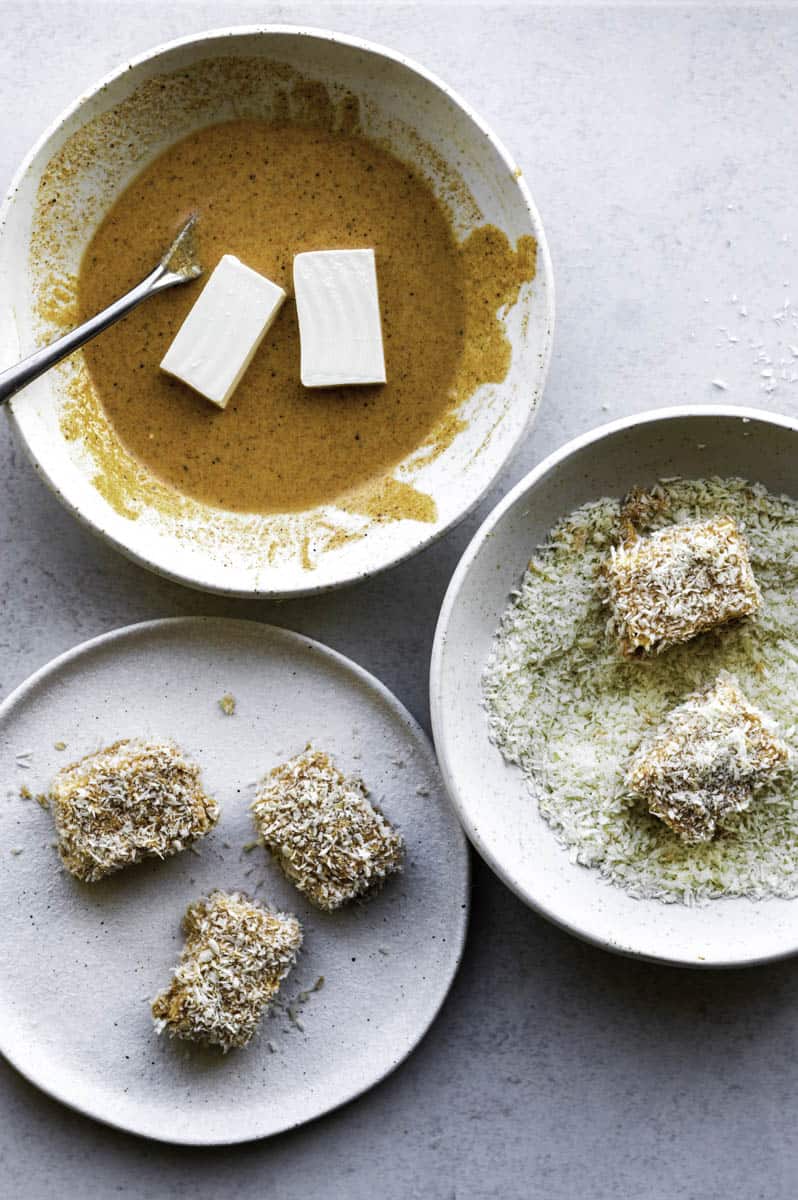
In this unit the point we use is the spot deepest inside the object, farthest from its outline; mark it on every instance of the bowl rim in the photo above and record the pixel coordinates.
(548, 466)
(544, 270)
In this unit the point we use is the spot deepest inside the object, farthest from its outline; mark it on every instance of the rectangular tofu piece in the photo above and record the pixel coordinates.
(322, 830)
(680, 581)
(707, 759)
(338, 306)
(218, 339)
(235, 957)
(131, 801)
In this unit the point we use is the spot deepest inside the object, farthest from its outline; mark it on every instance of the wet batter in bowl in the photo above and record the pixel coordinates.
(265, 192)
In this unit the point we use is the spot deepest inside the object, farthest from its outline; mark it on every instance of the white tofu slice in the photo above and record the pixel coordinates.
(218, 339)
(339, 318)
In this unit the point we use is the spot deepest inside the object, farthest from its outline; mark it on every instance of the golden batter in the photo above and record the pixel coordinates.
(265, 192)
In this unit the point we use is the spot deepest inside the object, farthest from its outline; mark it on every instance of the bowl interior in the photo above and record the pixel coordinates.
(212, 78)
(498, 813)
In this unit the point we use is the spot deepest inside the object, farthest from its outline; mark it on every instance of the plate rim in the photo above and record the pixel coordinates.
(100, 527)
(458, 935)
(461, 572)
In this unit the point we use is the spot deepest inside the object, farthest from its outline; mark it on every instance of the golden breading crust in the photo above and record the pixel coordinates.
(706, 760)
(678, 582)
(133, 800)
(327, 837)
(235, 957)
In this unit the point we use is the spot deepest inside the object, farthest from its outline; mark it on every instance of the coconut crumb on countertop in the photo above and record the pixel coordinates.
(677, 582)
(133, 800)
(320, 826)
(706, 760)
(236, 954)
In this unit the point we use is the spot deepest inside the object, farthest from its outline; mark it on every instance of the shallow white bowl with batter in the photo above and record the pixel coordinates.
(400, 102)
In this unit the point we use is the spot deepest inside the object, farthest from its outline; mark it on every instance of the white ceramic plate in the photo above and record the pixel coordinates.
(497, 812)
(79, 962)
(401, 103)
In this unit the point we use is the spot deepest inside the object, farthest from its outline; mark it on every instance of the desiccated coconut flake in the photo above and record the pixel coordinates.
(678, 581)
(570, 711)
(133, 800)
(706, 760)
(237, 953)
(321, 828)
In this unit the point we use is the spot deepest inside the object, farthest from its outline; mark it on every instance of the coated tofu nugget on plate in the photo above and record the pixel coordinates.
(327, 837)
(133, 800)
(706, 760)
(680, 581)
(235, 957)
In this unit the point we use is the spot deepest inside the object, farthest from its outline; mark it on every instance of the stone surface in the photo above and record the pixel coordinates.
(659, 144)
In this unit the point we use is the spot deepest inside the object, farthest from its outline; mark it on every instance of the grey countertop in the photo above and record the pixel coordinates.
(659, 142)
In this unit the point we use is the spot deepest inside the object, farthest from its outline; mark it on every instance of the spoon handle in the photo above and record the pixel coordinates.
(19, 376)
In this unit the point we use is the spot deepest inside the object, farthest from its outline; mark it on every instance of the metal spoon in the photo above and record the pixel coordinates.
(179, 264)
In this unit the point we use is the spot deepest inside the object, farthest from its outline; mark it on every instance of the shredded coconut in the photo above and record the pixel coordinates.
(677, 582)
(565, 706)
(328, 839)
(236, 955)
(132, 800)
(706, 760)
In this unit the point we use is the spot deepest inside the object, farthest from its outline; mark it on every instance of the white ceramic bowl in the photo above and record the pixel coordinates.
(498, 814)
(400, 102)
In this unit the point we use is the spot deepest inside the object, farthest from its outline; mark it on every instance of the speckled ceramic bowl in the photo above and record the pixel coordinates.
(287, 554)
(497, 811)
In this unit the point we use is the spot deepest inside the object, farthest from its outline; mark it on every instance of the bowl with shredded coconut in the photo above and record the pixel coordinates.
(537, 714)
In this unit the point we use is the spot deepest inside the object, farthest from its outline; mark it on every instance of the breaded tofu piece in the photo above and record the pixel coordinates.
(235, 957)
(680, 581)
(133, 800)
(707, 759)
(322, 830)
